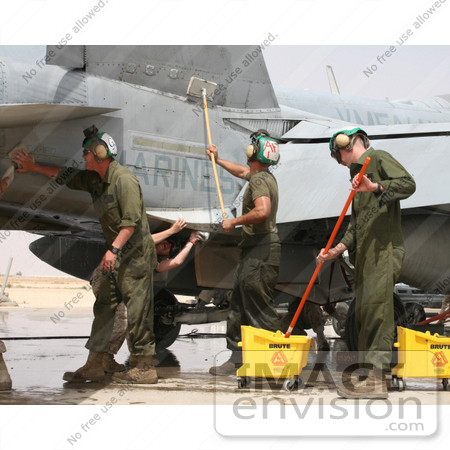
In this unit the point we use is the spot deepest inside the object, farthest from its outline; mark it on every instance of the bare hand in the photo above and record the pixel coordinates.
(365, 186)
(3, 185)
(212, 149)
(227, 225)
(178, 225)
(108, 262)
(325, 257)
(23, 158)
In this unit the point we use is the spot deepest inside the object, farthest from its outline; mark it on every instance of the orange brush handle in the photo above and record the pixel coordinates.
(327, 248)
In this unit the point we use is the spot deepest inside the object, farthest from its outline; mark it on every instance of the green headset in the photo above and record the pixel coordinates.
(105, 145)
(263, 148)
(344, 140)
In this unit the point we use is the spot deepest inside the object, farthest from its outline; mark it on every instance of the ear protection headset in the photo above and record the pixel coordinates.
(104, 143)
(263, 148)
(344, 140)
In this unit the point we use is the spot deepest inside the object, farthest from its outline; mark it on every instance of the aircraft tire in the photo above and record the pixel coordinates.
(165, 334)
(415, 313)
(342, 310)
(351, 337)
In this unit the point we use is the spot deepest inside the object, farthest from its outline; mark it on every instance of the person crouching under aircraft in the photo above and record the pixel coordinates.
(375, 243)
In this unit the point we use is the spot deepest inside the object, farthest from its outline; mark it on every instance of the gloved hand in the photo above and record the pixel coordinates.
(202, 236)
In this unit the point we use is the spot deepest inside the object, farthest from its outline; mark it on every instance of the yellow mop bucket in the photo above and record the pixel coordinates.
(270, 355)
(421, 355)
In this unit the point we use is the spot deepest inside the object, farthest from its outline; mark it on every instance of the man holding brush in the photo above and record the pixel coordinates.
(258, 268)
(374, 241)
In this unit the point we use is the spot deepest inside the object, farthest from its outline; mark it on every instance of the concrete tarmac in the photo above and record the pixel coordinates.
(36, 367)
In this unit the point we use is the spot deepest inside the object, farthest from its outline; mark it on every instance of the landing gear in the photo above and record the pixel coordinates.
(165, 309)
(351, 336)
(339, 325)
(415, 313)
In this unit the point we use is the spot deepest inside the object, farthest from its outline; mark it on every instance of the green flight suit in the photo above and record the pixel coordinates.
(375, 243)
(258, 268)
(118, 203)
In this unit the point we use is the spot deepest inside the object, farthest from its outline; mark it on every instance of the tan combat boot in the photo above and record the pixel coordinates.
(5, 379)
(91, 371)
(229, 367)
(133, 360)
(143, 373)
(373, 387)
(110, 365)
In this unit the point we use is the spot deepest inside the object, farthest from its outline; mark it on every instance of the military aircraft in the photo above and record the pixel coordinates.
(139, 96)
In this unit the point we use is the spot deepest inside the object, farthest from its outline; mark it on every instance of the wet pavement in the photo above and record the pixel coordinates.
(36, 366)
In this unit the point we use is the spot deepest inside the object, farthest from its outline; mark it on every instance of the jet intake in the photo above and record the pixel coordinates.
(77, 257)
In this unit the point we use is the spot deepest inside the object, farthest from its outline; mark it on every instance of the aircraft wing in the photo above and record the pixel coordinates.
(196, 218)
(34, 114)
(313, 186)
(321, 130)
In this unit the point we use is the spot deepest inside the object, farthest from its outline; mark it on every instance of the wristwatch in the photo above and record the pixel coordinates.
(378, 189)
(114, 250)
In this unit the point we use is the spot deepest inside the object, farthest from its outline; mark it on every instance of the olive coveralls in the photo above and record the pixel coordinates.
(375, 243)
(118, 203)
(258, 268)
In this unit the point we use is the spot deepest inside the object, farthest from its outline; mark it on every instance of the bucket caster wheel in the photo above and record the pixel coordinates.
(290, 384)
(394, 381)
(243, 382)
(445, 383)
(401, 384)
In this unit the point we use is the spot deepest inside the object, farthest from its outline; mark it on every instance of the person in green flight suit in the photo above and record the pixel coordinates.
(130, 258)
(374, 241)
(257, 272)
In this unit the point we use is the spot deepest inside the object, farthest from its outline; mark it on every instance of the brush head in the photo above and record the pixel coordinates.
(197, 87)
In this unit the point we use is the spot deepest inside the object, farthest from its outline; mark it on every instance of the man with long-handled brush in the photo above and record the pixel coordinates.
(375, 244)
(257, 271)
